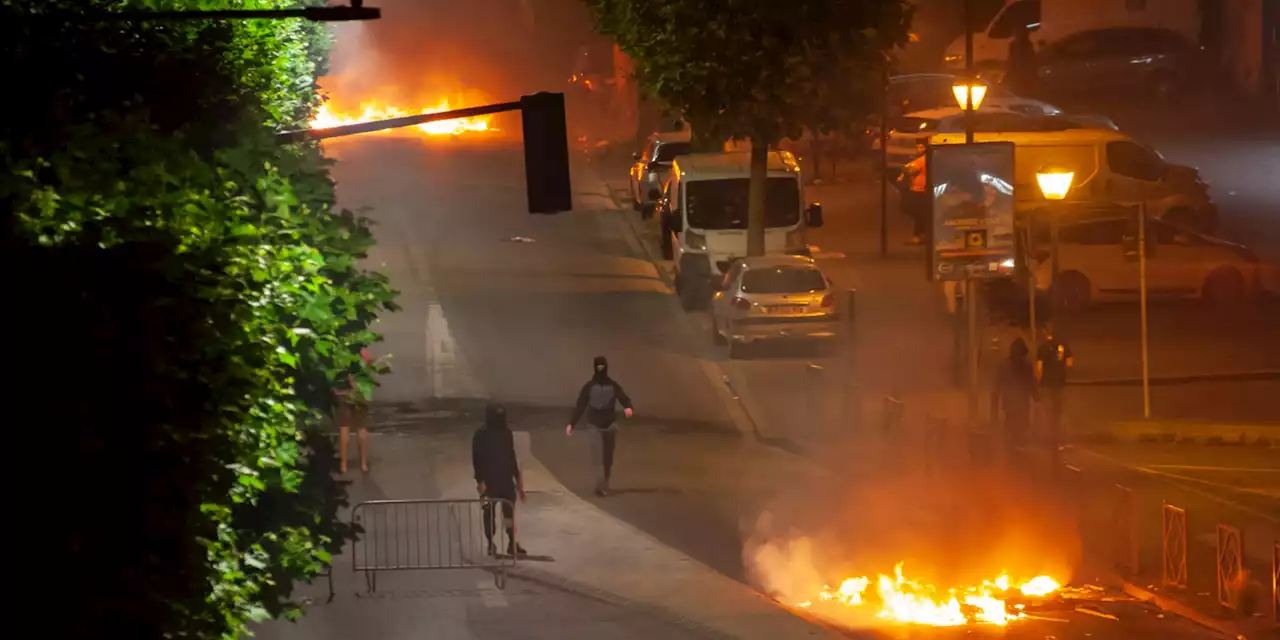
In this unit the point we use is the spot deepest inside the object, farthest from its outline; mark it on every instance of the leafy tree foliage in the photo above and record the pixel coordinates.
(757, 70)
(189, 301)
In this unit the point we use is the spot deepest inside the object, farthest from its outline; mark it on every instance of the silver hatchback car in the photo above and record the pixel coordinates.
(774, 297)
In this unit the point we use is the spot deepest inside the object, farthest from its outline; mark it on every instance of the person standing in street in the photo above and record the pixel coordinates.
(1053, 359)
(915, 202)
(353, 413)
(497, 473)
(598, 400)
(1014, 393)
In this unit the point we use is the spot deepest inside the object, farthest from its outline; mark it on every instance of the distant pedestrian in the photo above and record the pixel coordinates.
(1014, 393)
(1053, 359)
(1023, 71)
(497, 472)
(353, 413)
(599, 399)
(915, 202)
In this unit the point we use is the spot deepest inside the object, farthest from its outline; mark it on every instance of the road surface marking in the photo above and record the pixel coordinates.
(1185, 467)
(490, 595)
(1207, 494)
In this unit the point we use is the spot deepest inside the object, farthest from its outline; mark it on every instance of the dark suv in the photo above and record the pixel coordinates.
(1107, 62)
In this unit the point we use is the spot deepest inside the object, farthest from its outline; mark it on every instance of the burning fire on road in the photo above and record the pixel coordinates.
(899, 599)
(368, 112)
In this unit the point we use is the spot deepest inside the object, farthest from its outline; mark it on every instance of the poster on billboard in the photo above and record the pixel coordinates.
(972, 210)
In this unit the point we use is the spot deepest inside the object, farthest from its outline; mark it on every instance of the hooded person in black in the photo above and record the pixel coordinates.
(1014, 391)
(497, 472)
(599, 399)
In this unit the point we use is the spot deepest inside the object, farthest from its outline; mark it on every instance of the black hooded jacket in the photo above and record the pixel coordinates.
(493, 452)
(599, 398)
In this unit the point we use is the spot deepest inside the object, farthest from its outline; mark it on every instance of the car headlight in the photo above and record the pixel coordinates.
(695, 241)
(954, 58)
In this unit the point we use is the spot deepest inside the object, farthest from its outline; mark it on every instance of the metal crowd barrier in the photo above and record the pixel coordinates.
(1174, 547)
(422, 535)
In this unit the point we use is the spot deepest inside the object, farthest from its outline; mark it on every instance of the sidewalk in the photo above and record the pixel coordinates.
(606, 578)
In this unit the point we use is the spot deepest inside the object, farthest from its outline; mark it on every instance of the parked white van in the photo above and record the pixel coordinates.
(1110, 169)
(703, 216)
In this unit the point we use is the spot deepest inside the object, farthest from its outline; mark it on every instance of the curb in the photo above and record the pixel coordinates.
(553, 581)
(1224, 627)
(1185, 432)
(1226, 376)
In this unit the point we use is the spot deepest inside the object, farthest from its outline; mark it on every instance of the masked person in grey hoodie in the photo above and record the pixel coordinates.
(497, 472)
(599, 399)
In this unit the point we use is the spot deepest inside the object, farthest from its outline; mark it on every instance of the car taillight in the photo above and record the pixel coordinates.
(741, 304)
(828, 300)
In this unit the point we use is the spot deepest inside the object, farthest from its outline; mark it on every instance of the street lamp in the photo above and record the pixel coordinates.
(966, 90)
(1055, 182)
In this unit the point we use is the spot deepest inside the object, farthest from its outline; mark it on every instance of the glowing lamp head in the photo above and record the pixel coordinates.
(1055, 182)
(963, 90)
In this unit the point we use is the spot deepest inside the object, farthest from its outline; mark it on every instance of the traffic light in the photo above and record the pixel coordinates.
(546, 153)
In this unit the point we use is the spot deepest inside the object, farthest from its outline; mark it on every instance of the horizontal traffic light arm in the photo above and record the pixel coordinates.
(355, 12)
(395, 123)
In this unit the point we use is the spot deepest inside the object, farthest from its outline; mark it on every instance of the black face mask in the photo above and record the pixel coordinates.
(601, 366)
(495, 416)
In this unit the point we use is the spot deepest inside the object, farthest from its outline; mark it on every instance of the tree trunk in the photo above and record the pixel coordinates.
(756, 197)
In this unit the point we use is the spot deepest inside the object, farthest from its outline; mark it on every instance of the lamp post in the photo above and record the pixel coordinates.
(1054, 183)
(969, 95)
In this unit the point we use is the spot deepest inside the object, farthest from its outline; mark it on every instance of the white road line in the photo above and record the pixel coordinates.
(1187, 467)
(490, 596)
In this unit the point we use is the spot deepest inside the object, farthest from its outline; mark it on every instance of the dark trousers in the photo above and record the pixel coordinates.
(508, 497)
(916, 204)
(603, 443)
(1053, 407)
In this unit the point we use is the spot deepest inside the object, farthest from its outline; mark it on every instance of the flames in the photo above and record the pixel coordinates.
(369, 112)
(900, 599)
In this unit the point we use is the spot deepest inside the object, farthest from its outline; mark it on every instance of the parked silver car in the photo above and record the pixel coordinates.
(774, 297)
(650, 167)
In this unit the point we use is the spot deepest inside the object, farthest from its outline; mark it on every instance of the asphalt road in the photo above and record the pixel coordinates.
(487, 315)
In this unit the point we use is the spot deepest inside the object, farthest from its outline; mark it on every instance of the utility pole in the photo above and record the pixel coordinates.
(971, 285)
(884, 157)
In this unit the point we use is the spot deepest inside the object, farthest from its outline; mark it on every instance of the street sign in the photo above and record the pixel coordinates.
(971, 209)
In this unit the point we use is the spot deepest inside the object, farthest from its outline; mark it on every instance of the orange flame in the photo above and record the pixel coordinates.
(908, 601)
(325, 118)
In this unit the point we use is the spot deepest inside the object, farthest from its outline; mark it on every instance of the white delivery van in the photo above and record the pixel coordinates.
(1110, 169)
(1052, 20)
(703, 216)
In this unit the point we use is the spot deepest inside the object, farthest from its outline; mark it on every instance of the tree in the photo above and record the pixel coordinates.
(188, 301)
(758, 71)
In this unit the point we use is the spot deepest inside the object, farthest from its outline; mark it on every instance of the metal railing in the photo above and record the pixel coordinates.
(1230, 566)
(421, 535)
(1174, 547)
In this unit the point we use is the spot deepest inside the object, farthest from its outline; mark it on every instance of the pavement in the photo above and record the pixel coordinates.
(676, 551)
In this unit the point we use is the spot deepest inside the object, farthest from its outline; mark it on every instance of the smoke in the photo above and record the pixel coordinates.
(951, 526)
(421, 49)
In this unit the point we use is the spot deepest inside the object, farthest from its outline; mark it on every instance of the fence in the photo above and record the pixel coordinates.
(421, 535)
(1173, 547)
(1230, 566)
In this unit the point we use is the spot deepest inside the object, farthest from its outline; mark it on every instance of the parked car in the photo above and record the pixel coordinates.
(1099, 262)
(923, 91)
(922, 126)
(651, 165)
(1120, 61)
(773, 297)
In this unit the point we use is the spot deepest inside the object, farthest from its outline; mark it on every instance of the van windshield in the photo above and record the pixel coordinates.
(722, 204)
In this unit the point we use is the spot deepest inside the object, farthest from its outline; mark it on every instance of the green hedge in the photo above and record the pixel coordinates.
(191, 299)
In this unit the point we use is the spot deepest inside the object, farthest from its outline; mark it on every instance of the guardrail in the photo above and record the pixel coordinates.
(422, 535)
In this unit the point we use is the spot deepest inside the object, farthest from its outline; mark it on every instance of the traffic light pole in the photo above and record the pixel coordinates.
(546, 143)
(394, 123)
